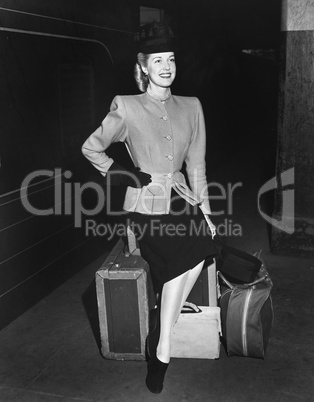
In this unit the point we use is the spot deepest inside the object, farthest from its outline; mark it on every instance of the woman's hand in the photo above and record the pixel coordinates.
(134, 177)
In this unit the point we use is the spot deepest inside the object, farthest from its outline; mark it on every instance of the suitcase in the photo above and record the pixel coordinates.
(197, 335)
(124, 296)
(247, 316)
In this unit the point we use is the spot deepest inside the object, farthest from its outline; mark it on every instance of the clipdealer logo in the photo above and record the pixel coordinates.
(67, 199)
(287, 221)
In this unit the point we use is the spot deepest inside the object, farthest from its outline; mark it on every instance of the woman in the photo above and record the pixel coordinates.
(161, 132)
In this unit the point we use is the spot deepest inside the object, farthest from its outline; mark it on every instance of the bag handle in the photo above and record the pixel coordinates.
(189, 308)
(243, 285)
(229, 284)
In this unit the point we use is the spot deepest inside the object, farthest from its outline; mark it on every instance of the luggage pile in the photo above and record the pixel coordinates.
(126, 298)
(240, 314)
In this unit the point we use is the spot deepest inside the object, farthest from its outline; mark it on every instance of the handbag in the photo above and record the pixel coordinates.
(246, 315)
(236, 265)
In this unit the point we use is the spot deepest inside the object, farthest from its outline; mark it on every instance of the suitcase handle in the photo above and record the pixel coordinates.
(244, 285)
(191, 308)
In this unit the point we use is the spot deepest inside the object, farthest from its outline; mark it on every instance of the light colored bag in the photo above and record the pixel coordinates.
(196, 335)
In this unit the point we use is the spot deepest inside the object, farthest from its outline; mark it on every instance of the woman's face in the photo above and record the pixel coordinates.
(161, 68)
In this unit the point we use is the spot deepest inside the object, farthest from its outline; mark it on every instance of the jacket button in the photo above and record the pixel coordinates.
(170, 157)
(169, 138)
(165, 117)
(169, 175)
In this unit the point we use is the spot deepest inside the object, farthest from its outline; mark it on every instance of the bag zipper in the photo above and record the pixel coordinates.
(244, 320)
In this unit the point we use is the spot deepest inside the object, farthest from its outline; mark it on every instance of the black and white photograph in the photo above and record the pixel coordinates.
(156, 200)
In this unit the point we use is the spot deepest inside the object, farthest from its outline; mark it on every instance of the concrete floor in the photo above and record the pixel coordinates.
(51, 352)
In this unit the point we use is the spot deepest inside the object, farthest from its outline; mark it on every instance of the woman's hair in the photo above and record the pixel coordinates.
(140, 78)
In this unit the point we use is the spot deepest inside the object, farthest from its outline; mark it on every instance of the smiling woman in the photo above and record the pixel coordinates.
(162, 132)
(161, 71)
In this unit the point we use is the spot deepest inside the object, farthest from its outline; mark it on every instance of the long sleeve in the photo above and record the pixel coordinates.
(112, 129)
(195, 159)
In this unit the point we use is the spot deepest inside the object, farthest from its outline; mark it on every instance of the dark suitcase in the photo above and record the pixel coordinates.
(246, 316)
(125, 296)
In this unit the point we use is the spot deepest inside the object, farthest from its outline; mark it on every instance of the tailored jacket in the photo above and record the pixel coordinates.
(160, 137)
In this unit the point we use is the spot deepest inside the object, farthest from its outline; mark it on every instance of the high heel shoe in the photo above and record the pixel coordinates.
(154, 334)
(156, 374)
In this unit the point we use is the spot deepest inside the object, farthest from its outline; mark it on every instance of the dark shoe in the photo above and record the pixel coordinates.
(154, 334)
(156, 375)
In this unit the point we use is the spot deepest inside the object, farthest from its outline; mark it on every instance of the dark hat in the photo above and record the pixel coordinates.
(155, 37)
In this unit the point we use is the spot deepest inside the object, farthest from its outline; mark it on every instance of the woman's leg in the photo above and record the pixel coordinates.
(192, 278)
(173, 296)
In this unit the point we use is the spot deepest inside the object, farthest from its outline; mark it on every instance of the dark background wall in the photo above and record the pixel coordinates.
(57, 79)
(61, 64)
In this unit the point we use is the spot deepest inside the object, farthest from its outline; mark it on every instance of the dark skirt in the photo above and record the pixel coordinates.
(172, 243)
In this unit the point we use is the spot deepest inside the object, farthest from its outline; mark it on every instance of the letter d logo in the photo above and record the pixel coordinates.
(286, 223)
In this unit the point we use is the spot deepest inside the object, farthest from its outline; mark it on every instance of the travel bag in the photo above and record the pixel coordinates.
(196, 334)
(246, 315)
